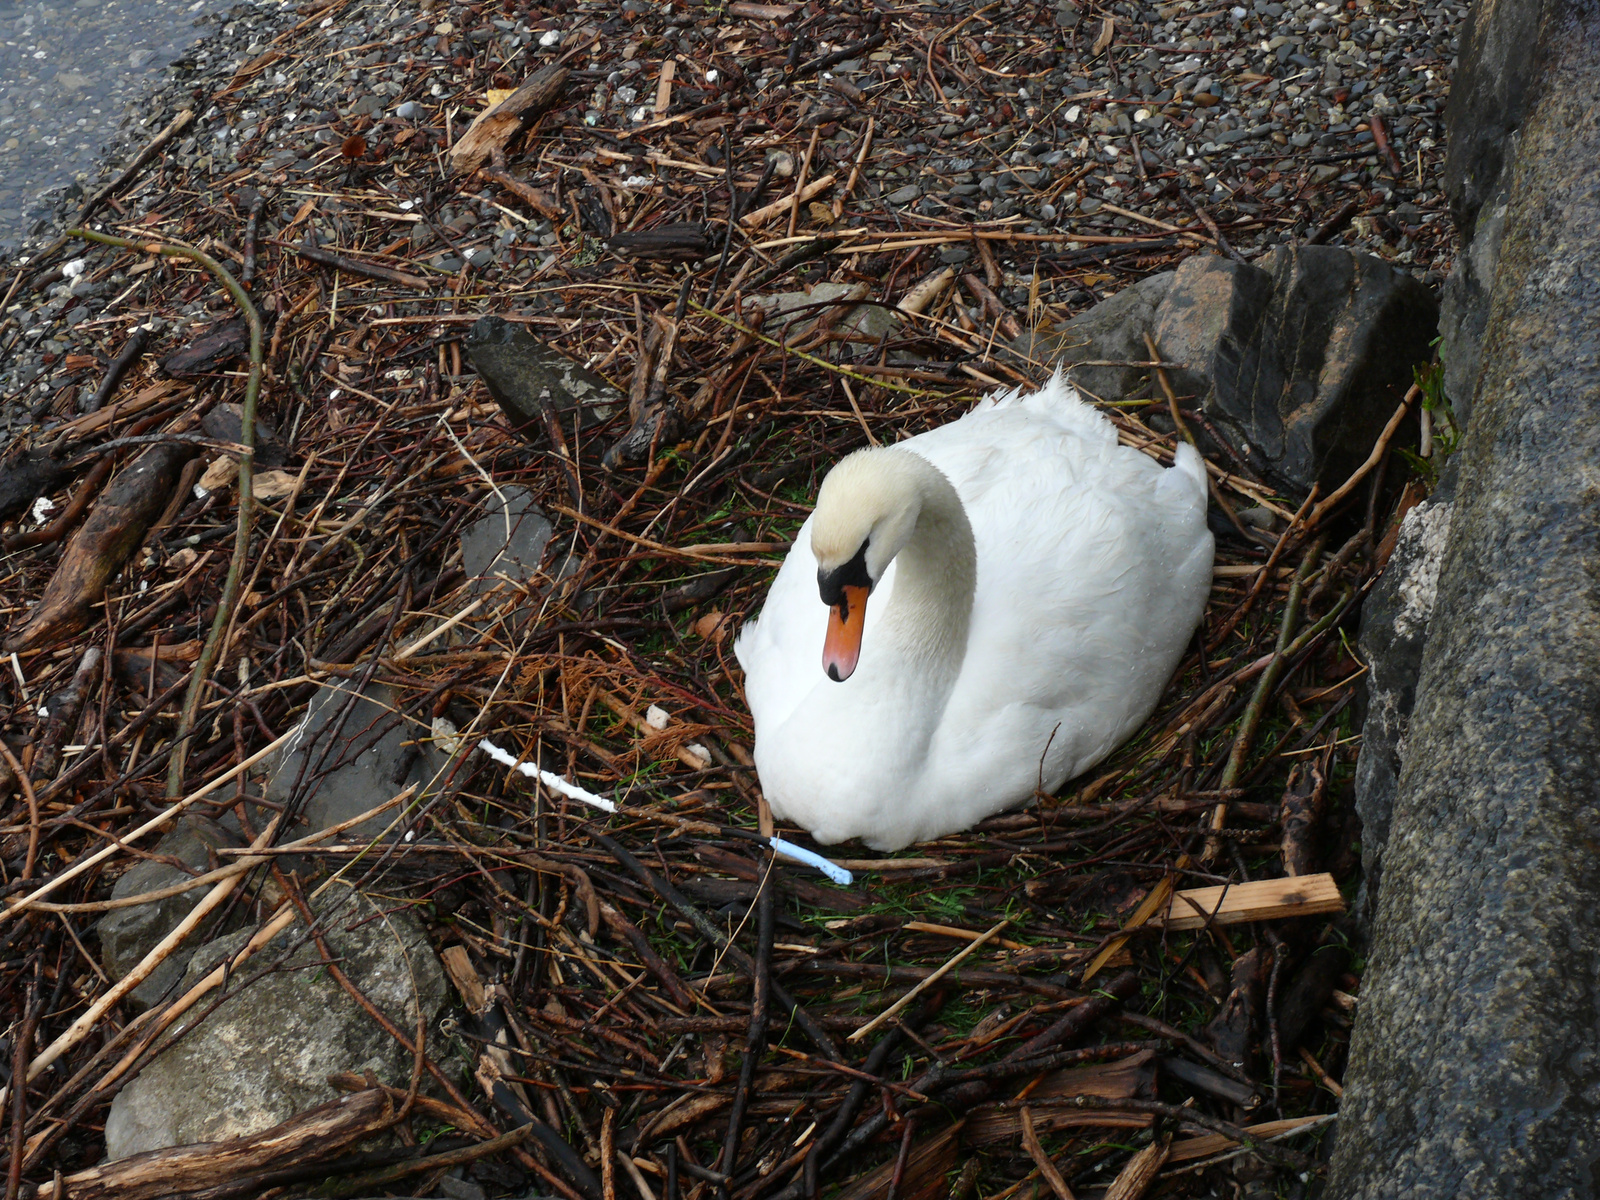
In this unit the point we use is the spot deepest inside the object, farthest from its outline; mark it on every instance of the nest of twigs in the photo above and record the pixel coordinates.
(685, 1014)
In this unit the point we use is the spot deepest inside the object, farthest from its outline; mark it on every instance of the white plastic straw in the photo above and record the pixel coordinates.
(556, 783)
(549, 778)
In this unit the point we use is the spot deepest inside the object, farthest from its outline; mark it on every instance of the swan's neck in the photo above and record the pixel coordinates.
(936, 572)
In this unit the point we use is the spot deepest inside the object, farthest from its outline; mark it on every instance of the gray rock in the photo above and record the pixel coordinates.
(1112, 330)
(1500, 49)
(1394, 629)
(1300, 363)
(518, 368)
(350, 753)
(266, 1053)
(1475, 1060)
(793, 308)
(128, 934)
(507, 541)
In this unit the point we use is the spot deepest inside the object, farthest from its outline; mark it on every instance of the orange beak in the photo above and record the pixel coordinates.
(842, 648)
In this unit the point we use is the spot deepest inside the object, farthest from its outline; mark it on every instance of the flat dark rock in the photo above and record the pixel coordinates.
(519, 369)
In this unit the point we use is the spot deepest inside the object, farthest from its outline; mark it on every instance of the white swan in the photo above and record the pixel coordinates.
(1033, 586)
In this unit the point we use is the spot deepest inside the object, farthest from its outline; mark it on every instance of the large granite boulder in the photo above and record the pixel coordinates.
(1394, 630)
(1301, 361)
(1475, 1060)
(266, 1053)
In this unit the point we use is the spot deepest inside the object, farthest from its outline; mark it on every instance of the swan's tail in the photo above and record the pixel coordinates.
(1188, 461)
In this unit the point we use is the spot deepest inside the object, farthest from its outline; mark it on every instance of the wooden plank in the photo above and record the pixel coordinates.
(1262, 900)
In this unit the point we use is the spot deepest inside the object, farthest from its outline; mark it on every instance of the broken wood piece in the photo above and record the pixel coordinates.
(681, 241)
(217, 346)
(119, 367)
(1041, 1159)
(1207, 1144)
(1131, 1078)
(921, 1178)
(664, 87)
(103, 544)
(354, 266)
(1261, 900)
(926, 291)
(498, 124)
(1136, 1178)
(656, 420)
(762, 12)
(994, 311)
(1303, 801)
(540, 201)
(782, 207)
(303, 1138)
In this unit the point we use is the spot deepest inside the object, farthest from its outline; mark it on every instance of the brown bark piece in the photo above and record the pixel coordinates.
(495, 127)
(104, 542)
(1131, 1078)
(1136, 1178)
(302, 1138)
(1232, 1032)
(1303, 802)
(924, 1177)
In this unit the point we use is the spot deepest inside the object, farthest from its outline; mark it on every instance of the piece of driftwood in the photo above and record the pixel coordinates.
(131, 353)
(1260, 900)
(1311, 989)
(1303, 802)
(220, 344)
(98, 550)
(541, 201)
(355, 266)
(1207, 1144)
(779, 207)
(680, 241)
(920, 1172)
(59, 713)
(317, 1133)
(1135, 1179)
(496, 126)
(1131, 1078)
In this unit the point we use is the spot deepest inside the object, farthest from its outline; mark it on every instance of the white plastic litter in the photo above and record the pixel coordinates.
(551, 780)
(800, 854)
(556, 783)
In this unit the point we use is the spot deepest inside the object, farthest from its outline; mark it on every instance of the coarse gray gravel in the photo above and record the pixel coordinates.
(1122, 120)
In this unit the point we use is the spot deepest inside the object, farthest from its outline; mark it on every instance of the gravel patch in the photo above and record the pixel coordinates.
(1236, 127)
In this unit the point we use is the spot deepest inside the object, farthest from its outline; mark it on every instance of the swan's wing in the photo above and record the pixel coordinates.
(1093, 566)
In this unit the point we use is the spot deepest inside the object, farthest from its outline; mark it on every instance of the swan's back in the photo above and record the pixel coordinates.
(1090, 556)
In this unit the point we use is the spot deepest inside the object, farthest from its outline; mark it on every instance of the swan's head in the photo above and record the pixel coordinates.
(865, 514)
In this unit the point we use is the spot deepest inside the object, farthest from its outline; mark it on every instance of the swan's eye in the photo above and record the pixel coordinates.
(832, 583)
